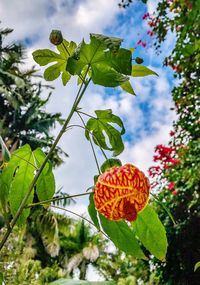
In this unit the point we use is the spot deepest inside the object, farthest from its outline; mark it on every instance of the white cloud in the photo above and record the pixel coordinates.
(141, 153)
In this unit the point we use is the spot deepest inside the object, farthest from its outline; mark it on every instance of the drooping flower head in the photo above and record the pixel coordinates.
(121, 192)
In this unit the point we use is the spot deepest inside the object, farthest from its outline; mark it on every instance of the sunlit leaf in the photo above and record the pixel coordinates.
(109, 64)
(22, 167)
(140, 71)
(103, 125)
(110, 163)
(126, 86)
(122, 236)
(46, 56)
(45, 186)
(151, 232)
(93, 212)
(4, 150)
(197, 265)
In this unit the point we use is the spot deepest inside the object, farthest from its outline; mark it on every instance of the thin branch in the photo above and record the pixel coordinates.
(25, 160)
(83, 218)
(79, 126)
(57, 199)
(88, 115)
(165, 208)
(93, 150)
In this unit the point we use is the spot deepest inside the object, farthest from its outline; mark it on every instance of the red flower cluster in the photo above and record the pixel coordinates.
(172, 133)
(165, 156)
(171, 187)
(152, 23)
(145, 16)
(154, 170)
(150, 33)
(140, 42)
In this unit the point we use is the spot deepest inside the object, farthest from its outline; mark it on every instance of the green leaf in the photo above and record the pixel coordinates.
(108, 63)
(80, 282)
(151, 232)
(4, 151)
(1, 278)
(105, 75)
(140, 71)
(126, 86)
(110, 163)
(22, 167)
(46, 56)
(93, 212)
(102, 125)
(45, 186)
(111, 43)
(197, 265)
(122, 236)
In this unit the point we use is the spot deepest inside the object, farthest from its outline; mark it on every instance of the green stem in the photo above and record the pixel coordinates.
(83, 218)
(88, 115)
(165, 208)
(62, 131)
(57, 199)
(93, 150)
(79, 126)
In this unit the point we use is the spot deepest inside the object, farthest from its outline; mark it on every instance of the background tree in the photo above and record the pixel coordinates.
(179, 170)
(23, 118)
(177, 175)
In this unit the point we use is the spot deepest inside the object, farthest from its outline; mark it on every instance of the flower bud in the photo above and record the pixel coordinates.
(56, 37)
(139, 60)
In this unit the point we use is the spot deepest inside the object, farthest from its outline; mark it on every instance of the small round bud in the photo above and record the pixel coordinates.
(56, 37)
(139, 60)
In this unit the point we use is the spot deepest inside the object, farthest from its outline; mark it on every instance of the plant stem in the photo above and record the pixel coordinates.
(62, 131)
(57, 199)
(83, 218)
(88, 115)
(93, 150)
(79, 126)
(165, 208)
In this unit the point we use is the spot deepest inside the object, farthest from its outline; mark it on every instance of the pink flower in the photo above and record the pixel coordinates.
(174, 193)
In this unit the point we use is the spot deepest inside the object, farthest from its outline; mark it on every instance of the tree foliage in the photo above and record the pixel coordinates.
(23, 118)
(179, 162)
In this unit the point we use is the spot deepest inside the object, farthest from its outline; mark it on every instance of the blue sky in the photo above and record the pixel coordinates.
(147, 117)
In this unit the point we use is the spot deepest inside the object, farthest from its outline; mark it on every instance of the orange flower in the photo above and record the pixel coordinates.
(121, 192)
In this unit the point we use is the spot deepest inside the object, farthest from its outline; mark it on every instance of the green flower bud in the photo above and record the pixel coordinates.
(56, 37)
(139, 60)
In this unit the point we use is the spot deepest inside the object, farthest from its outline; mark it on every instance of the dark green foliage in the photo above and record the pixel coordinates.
(183, 18)
(111, 162)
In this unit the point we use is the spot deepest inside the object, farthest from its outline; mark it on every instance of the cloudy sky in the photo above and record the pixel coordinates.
(147, 117)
